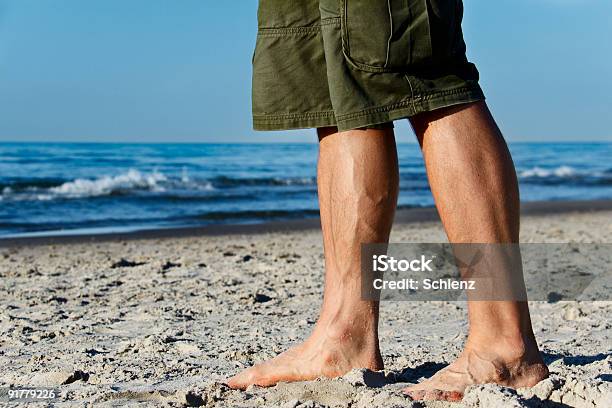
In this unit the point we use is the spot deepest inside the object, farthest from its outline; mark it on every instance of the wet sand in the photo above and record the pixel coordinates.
(148, 319)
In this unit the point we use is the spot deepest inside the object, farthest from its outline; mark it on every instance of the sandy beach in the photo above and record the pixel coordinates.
(163, 319)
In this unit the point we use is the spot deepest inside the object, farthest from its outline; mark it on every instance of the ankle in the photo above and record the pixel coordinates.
(357, 331)
(346, 315)
(507, 347)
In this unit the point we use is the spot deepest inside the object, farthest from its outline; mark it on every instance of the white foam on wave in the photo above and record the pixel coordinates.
(561, 172)
(298, 181)
(132, 179)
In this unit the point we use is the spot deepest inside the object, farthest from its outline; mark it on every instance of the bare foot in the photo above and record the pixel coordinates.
(482, 365)
(328, 352)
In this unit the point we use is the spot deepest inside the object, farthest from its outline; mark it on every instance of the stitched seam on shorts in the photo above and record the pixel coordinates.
(289, 31)
(405, 103)
(285, 116)
(330, 21)
(283, 31)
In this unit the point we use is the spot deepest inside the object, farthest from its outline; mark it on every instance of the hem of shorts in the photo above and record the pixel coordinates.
(371, 116)
(410, 107)
(292, 121)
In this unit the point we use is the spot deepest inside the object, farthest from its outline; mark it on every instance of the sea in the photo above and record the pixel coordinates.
(81, 188)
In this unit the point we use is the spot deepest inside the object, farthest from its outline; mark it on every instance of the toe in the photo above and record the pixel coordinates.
(243, 379)
(443, 395)
(414, 394)
(433, 395)
(235, 382)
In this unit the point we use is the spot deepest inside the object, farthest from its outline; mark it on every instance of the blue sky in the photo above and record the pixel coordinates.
(168, 70)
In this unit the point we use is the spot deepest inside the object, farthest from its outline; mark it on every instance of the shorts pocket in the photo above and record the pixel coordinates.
(396, 35)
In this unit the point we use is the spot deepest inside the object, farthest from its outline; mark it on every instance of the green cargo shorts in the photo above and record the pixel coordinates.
(358, 63)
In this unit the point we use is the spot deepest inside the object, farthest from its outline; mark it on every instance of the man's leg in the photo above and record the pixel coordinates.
(474, 185)
(358, 185)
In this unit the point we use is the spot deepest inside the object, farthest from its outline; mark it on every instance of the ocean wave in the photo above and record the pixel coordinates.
(182, 186)
(136, 183)
(106, 185)
(565, 175)
(561, 171)
(127, 183)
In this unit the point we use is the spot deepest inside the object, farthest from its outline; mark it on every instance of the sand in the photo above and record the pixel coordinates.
(162, 322)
